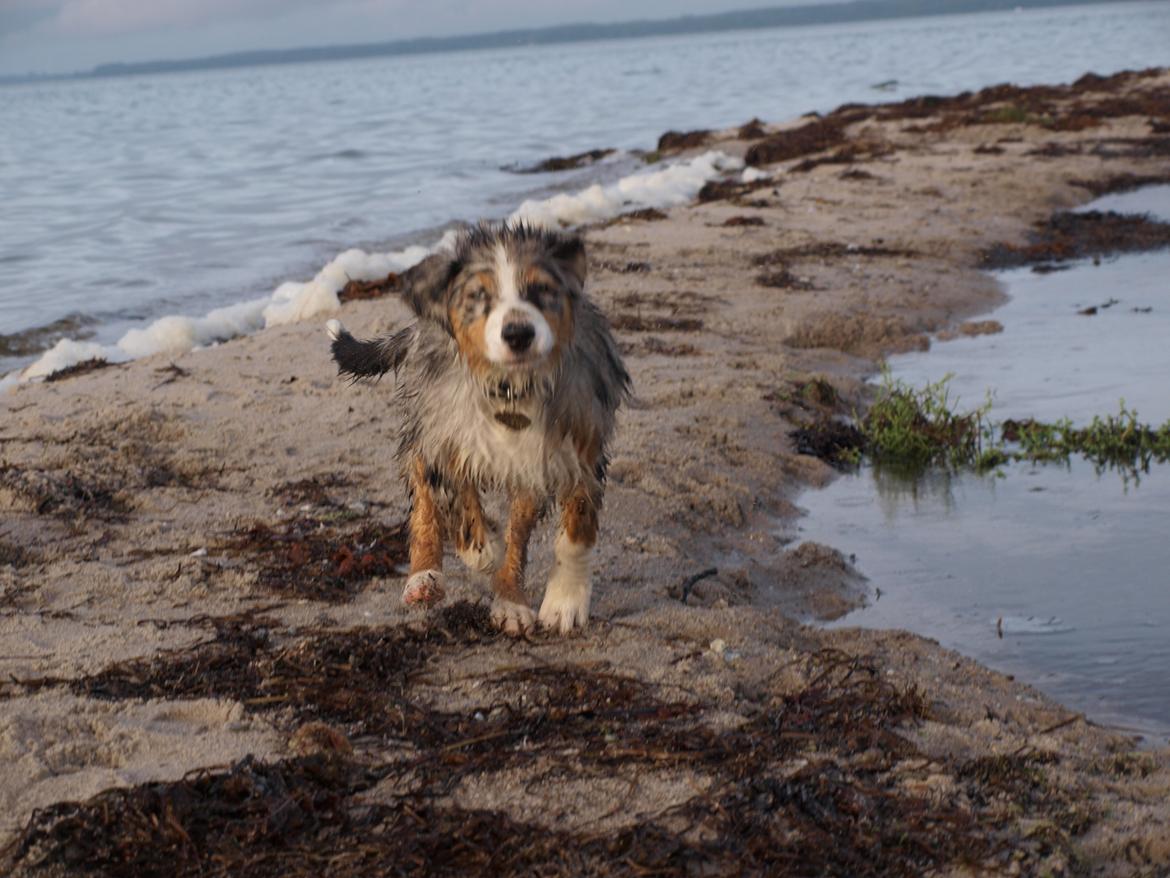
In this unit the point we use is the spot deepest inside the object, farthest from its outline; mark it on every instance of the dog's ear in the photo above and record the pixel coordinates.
(569, 252)
(425, 287)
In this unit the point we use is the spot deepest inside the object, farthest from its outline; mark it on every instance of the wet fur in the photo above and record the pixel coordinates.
(461, 408)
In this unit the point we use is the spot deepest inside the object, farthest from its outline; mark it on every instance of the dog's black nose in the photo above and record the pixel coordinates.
(518, 336)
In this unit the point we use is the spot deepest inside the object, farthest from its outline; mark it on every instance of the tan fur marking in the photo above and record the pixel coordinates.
(471, 531)
(579, 517)
(561, 324)
(508, 581)
(470, 338)
(426, 535)
(488, 279)
(537, 275)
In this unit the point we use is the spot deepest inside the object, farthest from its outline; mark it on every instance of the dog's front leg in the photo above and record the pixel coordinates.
(475, 539)
(510, 610)
(425, 583)
(569, 590)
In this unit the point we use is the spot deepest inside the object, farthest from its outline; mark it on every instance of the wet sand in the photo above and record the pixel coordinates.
(155, 508)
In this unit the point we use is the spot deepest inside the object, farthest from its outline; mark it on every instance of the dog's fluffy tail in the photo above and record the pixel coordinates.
(367, 359)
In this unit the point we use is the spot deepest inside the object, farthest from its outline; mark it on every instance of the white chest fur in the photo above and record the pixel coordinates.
(458, 419)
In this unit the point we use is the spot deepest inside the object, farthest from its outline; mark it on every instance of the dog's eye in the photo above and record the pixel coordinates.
(478, 295)
(539, 292)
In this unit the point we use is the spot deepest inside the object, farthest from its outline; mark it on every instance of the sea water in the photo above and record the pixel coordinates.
(123, 200)
(1059, 574)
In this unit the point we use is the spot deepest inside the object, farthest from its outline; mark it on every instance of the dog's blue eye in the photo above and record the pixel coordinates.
(479, 295)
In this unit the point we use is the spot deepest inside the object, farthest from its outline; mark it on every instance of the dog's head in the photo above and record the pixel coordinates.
(507, 296)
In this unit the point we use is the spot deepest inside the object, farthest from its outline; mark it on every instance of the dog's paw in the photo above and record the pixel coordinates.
(512, 618)
(335, 329)
(486, 558)
(424, 588)
(565, 605)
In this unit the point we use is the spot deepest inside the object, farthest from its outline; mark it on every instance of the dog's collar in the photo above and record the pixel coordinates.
(505, 390)
(507, 393)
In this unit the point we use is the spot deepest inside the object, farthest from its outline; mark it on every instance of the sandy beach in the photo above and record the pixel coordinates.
(183, 536)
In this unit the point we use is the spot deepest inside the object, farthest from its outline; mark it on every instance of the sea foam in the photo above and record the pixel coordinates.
(672, 185)
(294, 301)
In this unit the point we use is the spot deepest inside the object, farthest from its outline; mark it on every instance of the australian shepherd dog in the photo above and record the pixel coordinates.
(509, 380)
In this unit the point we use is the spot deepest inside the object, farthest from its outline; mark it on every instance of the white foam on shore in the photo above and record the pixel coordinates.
(290, 302)
(294, 301)
(668, 187)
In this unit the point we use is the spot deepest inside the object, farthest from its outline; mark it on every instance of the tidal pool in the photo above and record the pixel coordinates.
(1058, 574)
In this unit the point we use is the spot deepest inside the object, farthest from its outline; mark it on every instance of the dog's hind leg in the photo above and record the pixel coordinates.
(510, 610)
(425, 584)
(570, 589)
(475, 541)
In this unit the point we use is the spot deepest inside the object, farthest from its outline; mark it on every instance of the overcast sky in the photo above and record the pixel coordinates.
(55, 36)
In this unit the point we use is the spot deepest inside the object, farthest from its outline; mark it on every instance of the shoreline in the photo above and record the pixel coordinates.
(145, 500)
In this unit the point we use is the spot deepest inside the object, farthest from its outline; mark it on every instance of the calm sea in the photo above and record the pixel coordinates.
(125, 199)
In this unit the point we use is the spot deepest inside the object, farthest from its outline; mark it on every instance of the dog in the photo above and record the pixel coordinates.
(509, 380)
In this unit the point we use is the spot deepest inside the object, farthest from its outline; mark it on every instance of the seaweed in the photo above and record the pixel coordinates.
(753, 129)
(783, 279)
(356, 290)
(307, 557)
(65, 494)
(630, 267)
(808, 785)
(833, 441)
(354, 679)
(812, 137)
(731, 190)
(674, 141)
(639, 323)
(563, 163)
(1120, 183)
(733, 221)
(93, 364)
(1068, 235)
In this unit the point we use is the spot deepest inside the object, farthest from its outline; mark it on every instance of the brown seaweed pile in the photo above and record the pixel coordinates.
(309, 558)
(815, 136)
(84, 367)
(1075, 107)
(816, 781)
(356, 290)
(563, 163)
(1070, 235)
(64, 493)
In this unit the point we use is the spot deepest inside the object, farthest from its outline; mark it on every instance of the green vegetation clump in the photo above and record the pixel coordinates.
(916, 428)
(1008, 114)
(1112, 441)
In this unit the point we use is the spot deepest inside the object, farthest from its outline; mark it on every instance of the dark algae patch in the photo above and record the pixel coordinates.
(816, 780)
(356, 290)
(674, 141)
(356, 680)
(64, 493)
(640, 323)
(731, 190)
(1069, 235)
(812, 137)
(1080, 105)
(308, 558)
(564, 163)
(84, 367)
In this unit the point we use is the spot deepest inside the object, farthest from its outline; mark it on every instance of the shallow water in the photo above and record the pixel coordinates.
(1059, 575)
(125, 199)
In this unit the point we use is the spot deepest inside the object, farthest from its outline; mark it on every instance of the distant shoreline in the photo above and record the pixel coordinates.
(747, 19)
